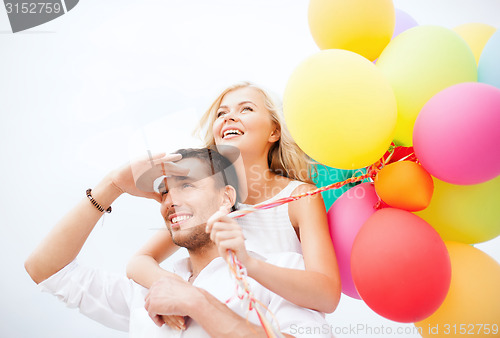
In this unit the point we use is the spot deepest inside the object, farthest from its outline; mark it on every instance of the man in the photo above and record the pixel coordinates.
(197, 187)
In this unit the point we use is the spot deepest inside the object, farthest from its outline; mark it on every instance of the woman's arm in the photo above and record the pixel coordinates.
(318, 287)
(144, 267)
(173, 297)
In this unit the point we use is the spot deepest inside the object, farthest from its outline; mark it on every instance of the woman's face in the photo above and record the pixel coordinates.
(243, 121)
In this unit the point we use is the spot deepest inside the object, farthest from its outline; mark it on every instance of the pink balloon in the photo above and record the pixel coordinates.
(403, 22)
(345, 218)
(457, 134)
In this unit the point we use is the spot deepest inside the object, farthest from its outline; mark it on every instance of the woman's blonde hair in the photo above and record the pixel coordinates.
(285, 158)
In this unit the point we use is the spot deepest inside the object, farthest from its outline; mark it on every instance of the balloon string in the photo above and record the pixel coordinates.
(371, 173)
(237, 269)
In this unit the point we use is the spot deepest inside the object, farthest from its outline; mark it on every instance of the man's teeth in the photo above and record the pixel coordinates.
(180, 218)
(232, 132)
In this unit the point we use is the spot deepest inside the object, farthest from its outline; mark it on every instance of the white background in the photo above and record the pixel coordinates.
(78, 94)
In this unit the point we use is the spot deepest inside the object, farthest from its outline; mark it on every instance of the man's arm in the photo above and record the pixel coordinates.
(65, 240)
(175, 297)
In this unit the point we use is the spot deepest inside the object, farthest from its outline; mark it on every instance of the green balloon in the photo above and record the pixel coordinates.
(325, 175)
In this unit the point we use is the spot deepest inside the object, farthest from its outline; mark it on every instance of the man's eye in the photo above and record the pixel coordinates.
(187, 185)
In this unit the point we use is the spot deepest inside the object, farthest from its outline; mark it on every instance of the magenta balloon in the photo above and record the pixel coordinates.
(457, 134)
(345, 218)
(404, 21)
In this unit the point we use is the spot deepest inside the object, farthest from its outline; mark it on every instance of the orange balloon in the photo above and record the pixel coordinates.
(472, 305)
(404, 185)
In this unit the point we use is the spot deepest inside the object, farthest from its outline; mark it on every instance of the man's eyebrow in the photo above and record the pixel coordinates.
(182, 178)
(177, 178)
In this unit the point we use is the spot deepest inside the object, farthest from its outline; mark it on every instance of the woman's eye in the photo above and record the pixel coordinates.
(247, 108)
(221, 113)
(187, 185)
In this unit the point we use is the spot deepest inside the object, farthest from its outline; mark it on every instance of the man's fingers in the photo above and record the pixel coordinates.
(170, 168)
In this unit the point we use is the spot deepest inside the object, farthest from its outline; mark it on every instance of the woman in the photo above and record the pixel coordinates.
(244, 115)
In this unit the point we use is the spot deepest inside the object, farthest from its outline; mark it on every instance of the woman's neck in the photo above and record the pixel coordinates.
(262, 183)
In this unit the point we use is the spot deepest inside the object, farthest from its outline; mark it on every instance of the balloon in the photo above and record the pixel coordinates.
(465, 213)
(327, 175)
(361, 26)
(419, 63)
(404, 21)
(457, 134)
(476, 35)
(488, 67)
(400, 266)
(345, 218)
(404, 185)
(472, 305)
(340, 109)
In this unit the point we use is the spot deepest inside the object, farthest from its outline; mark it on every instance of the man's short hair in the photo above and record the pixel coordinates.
(216, 163)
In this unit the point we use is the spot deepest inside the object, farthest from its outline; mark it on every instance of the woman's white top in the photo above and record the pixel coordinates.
(270, 230)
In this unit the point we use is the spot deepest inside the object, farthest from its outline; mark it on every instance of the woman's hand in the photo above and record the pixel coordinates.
(175, 322)
(226, 233)
(137, 178)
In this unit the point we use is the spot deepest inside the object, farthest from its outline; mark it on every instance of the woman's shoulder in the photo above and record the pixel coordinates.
(301, 187)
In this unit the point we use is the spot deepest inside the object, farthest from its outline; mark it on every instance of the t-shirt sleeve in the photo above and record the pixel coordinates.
(293, 319)
(99, 295)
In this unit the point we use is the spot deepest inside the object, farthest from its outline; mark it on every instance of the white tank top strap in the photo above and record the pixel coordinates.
(288, 190)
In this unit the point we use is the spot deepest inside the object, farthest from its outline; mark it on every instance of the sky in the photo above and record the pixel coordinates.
(87, 92)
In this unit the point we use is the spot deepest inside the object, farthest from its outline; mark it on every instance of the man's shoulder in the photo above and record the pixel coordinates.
(287, 259)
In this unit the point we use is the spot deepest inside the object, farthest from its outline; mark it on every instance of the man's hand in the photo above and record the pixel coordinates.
(170, 296)
(137, 178)
(226, 233)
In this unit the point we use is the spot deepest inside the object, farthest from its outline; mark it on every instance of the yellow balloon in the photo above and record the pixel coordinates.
(361, 26)
(472, 306)
(340, 109)
(465, 213)
(476, 35)
(419, 63)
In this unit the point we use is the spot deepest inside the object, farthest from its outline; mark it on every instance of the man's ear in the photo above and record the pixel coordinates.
(275, 135)
(229, 198)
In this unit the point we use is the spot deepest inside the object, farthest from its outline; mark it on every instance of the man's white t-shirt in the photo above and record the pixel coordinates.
(118, 302)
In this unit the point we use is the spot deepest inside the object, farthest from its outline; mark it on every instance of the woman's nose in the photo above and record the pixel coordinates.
(231, 116)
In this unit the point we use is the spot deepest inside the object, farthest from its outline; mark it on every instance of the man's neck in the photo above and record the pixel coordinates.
(200, 258)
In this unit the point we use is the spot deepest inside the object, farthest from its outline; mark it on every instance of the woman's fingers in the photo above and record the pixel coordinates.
(222, 235)
(219, 216)
(175, 322)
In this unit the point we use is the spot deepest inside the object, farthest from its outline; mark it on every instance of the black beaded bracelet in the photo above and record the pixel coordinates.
(95, 203)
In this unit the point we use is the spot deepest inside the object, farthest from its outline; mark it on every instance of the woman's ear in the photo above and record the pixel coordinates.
(229, 198)
(275, 135)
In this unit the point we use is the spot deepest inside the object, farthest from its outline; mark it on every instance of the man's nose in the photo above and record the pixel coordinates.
(168, 202)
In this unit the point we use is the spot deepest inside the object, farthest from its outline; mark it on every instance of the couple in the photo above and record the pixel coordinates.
(197, 188)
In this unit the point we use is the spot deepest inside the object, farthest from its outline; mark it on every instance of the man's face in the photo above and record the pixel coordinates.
(188, 202)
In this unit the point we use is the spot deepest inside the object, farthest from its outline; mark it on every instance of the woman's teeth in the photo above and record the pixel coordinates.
(232, 132)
